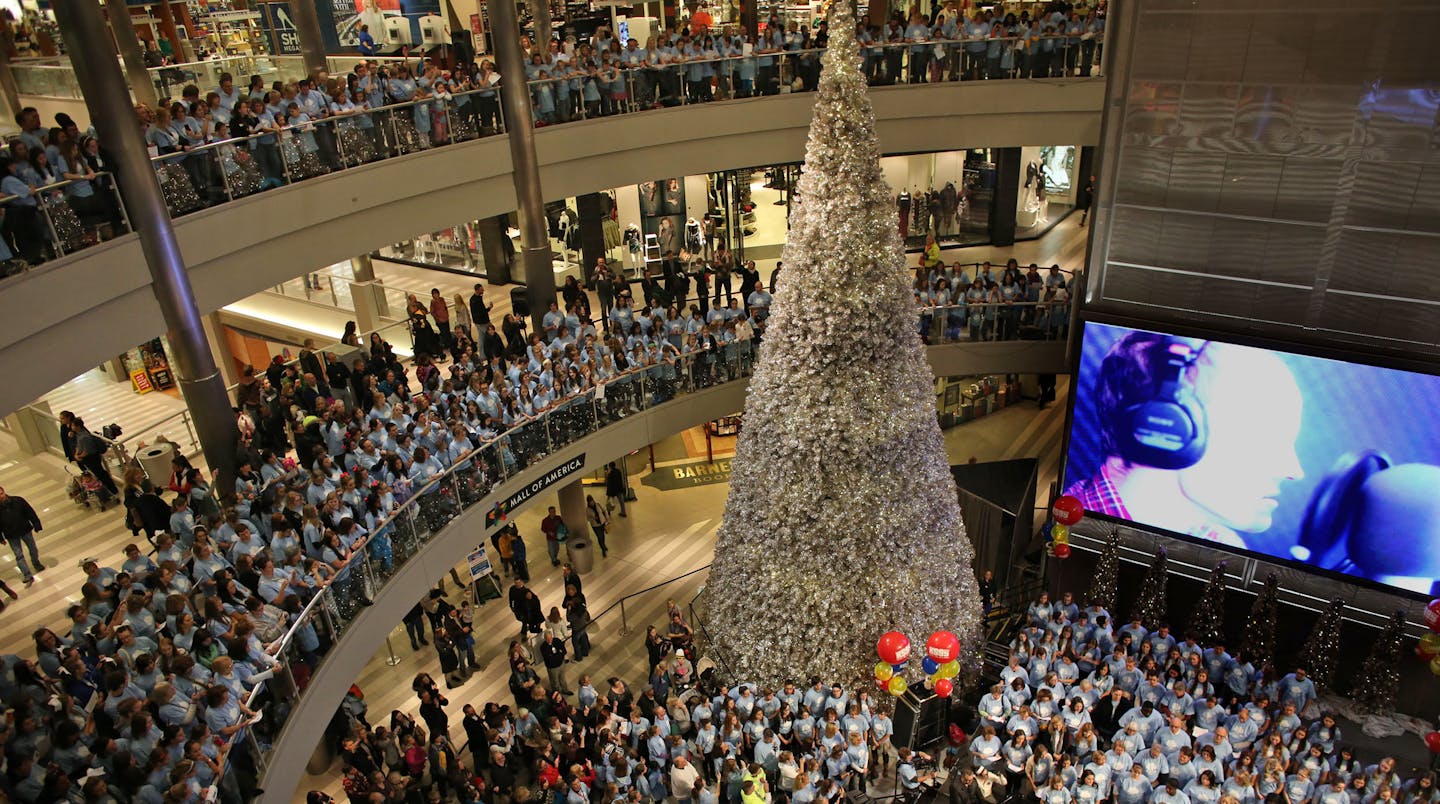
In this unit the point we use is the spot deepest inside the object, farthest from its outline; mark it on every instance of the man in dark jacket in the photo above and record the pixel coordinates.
(526, 608)
(19, 524)
(67, 435)
(310, 363)
(1108, 712)
(615, 487)
(552, 652)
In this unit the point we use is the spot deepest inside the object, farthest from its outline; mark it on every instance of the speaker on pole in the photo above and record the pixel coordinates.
(920, 719)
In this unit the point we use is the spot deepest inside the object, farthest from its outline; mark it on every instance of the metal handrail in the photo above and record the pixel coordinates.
(624, 620)
(434, 483)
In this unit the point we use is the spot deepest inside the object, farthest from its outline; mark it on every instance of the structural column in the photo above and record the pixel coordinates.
(572, 510)
(312, 42)
(1005, 200)
(220, 349)
(515, 99)
(106, 97)
(495, 249)
(592, 208)
(540, 10)
(129, 45)
(363, 268)
(8, 87)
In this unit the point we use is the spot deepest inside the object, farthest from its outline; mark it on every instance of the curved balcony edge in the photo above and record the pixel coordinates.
(366, 634)
(78, 311)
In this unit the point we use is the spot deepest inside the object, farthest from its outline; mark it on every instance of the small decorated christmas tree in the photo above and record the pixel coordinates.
(1379, 677)
(1150, 606)
(1322, 647)
(1107, 573)
(1258, 640)
(1207, 622)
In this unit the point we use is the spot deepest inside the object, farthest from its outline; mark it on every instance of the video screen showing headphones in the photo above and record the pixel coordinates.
(1321, 462)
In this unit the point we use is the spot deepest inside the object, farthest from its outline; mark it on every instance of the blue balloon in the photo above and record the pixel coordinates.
(899, 668)
(929, 665)
(1045, 531)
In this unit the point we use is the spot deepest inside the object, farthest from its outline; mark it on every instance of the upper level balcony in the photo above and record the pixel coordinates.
(72, 312)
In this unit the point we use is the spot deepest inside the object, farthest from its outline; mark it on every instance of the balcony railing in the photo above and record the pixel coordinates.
(204, 173)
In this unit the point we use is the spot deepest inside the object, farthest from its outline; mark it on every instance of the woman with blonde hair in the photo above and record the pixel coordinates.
(460, 311)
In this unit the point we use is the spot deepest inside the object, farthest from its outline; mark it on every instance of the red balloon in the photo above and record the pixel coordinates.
(1062, 551)
(1432, 616)
(1067, 510)
(894, 647)
(944, 686)
(1432, 742)
(942, 646)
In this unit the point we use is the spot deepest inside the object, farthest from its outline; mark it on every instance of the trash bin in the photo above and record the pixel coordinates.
(519, 302)
(582, 555)
(155, 460)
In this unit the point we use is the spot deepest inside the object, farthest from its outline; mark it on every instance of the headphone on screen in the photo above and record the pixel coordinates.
(1332, 512)
(1166, 430)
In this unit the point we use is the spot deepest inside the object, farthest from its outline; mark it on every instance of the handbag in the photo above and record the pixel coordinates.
(562, 533)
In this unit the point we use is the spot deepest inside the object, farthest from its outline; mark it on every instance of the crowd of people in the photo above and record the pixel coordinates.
(57, 190)
(1083, 711)
(955, 306)
(229, 141)
(682, 735)
(1090, 710)
(693, 63)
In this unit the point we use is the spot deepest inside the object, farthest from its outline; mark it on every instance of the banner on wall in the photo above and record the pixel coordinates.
(280, 29)
(662, 212)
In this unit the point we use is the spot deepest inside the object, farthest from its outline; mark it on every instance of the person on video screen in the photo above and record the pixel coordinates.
(1227, 482)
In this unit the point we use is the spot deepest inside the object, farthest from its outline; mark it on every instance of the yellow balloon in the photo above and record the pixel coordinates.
(884, 671)
(897, 685)
(949, 669)
(1435, 665)
(1060, 534)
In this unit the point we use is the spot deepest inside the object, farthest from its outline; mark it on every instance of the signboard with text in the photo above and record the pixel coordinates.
(280, 27)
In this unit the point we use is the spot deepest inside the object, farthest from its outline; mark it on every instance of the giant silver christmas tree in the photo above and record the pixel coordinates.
(842, 521)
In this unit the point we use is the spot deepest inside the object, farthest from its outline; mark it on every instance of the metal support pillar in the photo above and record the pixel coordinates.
(572, 509)
(103, 87)
(363, 268)
(592, 209)
(515, 99)
(368, 298)
(129, 45)
(8, 88)
(544, 32)
(312, 42)
(220, 349)
(495, 248)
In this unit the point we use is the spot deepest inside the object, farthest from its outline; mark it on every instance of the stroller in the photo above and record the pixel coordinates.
(85, 490)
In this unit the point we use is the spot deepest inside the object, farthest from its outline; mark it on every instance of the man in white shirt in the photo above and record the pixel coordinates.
(682, 779)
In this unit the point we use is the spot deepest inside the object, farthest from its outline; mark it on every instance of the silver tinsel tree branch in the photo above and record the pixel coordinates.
(842, 520)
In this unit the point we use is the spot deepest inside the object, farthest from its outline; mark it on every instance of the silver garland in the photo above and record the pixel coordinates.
(179, 191)
(842, 520)
(301, 163)
(357, 145)
(69, 232)
(242, 176)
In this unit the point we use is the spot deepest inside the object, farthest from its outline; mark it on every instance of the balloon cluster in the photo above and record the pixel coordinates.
(1428, 648)
(941, 662)
(1066, 513)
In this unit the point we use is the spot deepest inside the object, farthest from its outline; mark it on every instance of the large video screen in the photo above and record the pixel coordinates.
(1331, 464)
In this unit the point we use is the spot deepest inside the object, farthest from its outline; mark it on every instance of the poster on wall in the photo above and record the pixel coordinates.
(349, 15)
(662, 212)
(280, 29)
